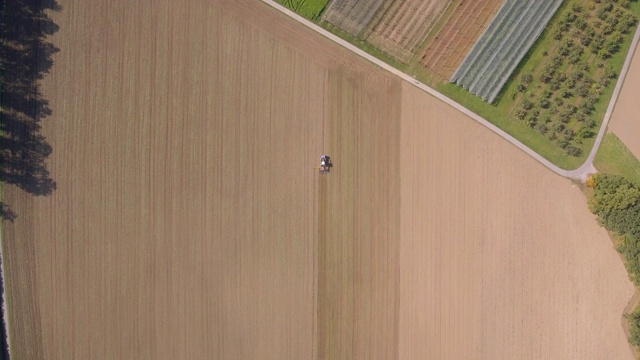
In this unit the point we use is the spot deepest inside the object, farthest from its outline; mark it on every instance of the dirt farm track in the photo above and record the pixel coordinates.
(190, 221)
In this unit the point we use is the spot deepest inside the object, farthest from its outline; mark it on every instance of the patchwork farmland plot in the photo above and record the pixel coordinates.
(595, 38)
(397, 28)
(505, 42)
(461, 30)
(401, 26)
(352, 16)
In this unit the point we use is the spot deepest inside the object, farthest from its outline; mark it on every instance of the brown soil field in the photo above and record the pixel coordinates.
(183, 227)
(625, 122)
(456, 38)
(359, 218)
(190, 220)
(499, 258)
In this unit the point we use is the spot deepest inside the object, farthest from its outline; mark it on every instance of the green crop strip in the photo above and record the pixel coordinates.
(311, 9)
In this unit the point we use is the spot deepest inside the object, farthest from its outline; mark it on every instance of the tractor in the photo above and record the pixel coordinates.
(325, 164)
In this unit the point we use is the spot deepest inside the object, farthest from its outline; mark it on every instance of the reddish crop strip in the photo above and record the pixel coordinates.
(455, 39)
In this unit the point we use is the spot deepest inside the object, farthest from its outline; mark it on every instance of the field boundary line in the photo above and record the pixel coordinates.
(5, 314)
(581, 173)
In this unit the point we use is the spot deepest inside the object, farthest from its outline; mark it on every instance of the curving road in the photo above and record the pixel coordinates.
(580, 173)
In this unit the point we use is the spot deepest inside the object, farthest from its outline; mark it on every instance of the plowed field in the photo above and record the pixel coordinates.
(499, 258)
(190, 223)
(183, 226)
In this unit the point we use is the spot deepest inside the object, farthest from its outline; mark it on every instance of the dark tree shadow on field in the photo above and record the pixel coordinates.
(25, 58)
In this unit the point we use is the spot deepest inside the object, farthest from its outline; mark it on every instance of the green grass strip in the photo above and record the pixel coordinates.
(311, 9)
(615, 158)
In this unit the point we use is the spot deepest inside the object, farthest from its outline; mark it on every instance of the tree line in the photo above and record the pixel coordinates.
(616, 202)
(25, 58)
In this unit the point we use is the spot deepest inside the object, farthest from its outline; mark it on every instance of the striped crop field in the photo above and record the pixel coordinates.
(352, 16)
(401, 26)
(505, 42)
(455, 39)
(397, 28)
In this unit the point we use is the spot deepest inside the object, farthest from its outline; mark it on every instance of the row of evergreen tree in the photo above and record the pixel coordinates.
(25, 58)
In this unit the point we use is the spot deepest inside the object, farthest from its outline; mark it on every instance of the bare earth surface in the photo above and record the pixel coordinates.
(359, 217)
(189, 221)
(183, 226)
(625, 122)
(499, 258)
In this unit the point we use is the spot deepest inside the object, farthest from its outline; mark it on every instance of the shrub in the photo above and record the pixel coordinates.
(617, 37)
(568, 134)
(531, 121)
(604, 53)
(585, 40)
(582, 89)
(546, 76)
(557, 34)
(574, 58)
(545, 103)
(610, 73)
(633, 319)
(585, 133)
(573, 151)
(564, 144)
(625, 3)
(587, 107)
(542, 128)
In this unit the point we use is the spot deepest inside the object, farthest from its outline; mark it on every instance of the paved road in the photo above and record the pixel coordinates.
(580, 173)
